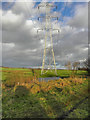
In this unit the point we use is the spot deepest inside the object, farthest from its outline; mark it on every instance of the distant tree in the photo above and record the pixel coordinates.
(76, 65)
(86, 65)
(33, 71)
(68, 65)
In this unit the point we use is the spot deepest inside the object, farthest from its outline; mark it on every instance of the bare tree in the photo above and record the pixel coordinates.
(76, 65)
(68, 65)
(86, 64)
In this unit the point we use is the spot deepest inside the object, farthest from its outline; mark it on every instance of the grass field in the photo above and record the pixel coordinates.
(23, 96)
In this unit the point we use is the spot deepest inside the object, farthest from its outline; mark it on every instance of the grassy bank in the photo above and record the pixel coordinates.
(23, 96)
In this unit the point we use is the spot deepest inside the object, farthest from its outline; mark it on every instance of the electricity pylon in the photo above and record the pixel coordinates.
(48, 62)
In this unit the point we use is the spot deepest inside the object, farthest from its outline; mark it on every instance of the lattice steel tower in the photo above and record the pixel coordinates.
(48, 62)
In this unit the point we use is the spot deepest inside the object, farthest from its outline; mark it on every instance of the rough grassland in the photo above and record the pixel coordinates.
(23, 96)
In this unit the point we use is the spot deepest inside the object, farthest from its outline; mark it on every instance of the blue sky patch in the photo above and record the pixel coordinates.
(8, 5)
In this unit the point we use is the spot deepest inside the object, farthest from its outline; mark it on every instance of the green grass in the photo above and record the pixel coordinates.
(81, 111)
(60, 73)
(54, 103)
(50, 106)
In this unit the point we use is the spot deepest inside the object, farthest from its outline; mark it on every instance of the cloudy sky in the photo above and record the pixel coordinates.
(23, 47)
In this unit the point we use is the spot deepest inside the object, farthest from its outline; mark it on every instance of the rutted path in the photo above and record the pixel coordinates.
(65, 115)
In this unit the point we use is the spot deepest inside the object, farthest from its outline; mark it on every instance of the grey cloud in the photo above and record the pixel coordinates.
(24, 47)
(80, 20)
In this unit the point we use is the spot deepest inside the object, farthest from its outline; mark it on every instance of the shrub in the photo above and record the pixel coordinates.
(9, 83)
(21, 91)
(58, 89)
(35, 89)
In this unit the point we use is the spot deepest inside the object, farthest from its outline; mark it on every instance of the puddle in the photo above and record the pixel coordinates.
(48, 78)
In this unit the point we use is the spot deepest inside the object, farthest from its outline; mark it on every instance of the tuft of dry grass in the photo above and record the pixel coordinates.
(17, 78)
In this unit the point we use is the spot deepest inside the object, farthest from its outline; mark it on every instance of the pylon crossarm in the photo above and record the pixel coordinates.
(39, 30)
(47, 5)
(40, 17)
(53, 6)
(41, 6)
(54, 17)
(48, 17)
(56, 29)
